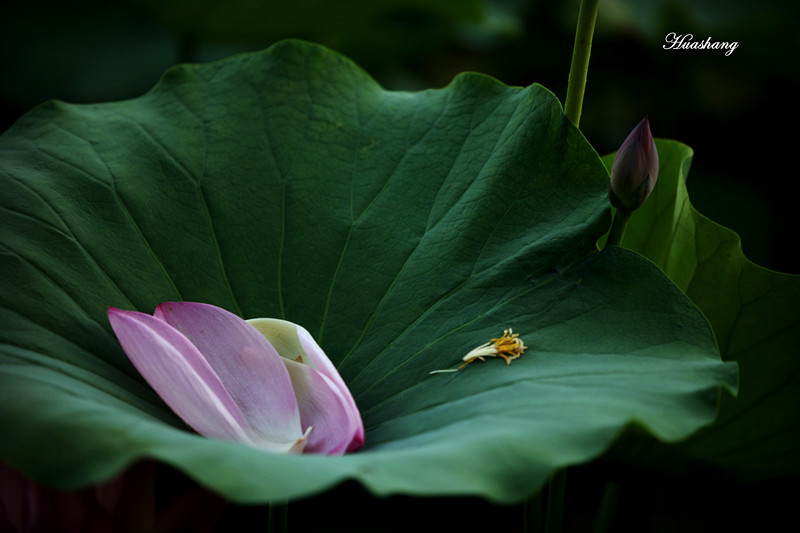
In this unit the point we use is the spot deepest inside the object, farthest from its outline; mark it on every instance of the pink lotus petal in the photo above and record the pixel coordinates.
(246, 363)
(324, 365)
(323, 407)
(179, 374)
(292, 340)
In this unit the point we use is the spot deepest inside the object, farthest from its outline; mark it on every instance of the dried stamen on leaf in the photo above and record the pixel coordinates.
(509, 346)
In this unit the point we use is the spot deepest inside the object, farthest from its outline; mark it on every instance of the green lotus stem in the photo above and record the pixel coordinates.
(533, 513)
(608, 509)
(580, 60)
(543, 512)
(555, 502)
(278, 518)
(618, 227)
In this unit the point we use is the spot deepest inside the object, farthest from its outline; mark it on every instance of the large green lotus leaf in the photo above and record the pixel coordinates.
(755, 313)
(401, 229)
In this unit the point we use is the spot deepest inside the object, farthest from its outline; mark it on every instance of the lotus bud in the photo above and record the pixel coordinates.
(635, 169)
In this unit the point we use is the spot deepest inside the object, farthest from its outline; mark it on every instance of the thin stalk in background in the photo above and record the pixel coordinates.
(278, 518)
(580, 60)
(608, 509)
(555, 502)
(533, 513)
(543, 512)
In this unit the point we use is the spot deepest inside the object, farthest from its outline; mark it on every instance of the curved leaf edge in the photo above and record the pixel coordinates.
(729, 447)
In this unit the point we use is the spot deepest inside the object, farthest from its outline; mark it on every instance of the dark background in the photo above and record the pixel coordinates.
(738, 113)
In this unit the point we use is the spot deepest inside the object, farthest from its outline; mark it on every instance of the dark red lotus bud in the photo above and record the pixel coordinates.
(635, 169)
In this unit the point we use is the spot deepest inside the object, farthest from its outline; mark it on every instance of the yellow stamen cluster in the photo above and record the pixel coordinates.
(509, 346)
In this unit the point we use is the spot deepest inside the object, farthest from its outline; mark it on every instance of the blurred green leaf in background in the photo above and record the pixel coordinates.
(755, 313)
